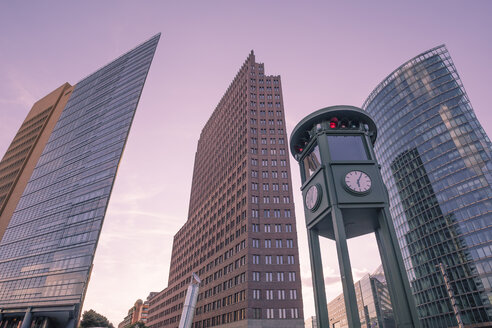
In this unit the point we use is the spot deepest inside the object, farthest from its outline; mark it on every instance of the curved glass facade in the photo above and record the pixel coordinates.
(437, 164)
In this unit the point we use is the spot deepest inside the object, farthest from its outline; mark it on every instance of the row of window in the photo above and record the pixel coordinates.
(266, 186)
(269, 258)
(266, 199)
(269, 294)
(267, 213)
(273, 141)
(264, 162)
(255, 227)
(291, 276)
(266, 175)
(263, 121)
(264, 151)
(263, 112)
(289, 243)
(264, 131)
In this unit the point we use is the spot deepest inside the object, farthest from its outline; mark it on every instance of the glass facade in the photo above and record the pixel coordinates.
(48, 248)
(373, 303)
(436, 163)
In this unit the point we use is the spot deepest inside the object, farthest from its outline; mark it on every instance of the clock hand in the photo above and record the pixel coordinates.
(358, 180)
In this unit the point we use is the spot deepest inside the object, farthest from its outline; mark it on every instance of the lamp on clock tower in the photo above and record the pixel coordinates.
(344, 197)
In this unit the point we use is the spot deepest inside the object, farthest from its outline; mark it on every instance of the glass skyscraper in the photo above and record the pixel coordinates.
(437, 164)
(48, 247)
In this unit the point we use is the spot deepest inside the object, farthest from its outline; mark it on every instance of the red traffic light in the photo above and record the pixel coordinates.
(334, 123)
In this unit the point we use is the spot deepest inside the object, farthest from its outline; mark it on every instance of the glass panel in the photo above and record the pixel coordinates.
(312, 161)
(347, 148)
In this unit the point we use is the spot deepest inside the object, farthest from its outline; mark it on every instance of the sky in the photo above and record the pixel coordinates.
(327, 53)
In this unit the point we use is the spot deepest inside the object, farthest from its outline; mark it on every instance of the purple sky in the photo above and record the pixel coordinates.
(326, 54)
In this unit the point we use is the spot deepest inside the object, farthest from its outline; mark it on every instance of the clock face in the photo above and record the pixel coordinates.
(313, 197)
(358, 182)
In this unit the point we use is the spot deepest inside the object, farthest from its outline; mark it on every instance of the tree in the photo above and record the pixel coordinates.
(93, 319)
(138, 324)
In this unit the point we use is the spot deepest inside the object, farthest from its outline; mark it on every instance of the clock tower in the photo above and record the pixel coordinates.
(344, 197)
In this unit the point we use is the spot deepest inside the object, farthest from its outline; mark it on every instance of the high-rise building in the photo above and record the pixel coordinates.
(373, 302)
(55, 183)
(137, 313)
(437, 164)
(240, 236)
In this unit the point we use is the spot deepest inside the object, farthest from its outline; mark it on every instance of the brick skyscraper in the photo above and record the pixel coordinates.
(240, 236)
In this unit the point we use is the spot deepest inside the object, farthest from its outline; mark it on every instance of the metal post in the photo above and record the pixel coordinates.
(318, 280)
(349, 297)
(451, 295)
(395, 273)
(26, 322)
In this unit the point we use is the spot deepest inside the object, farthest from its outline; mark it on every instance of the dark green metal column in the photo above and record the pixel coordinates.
(345, 269)
(318, 281)
(395, 273)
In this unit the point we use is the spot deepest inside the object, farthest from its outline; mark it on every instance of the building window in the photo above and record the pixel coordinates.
(294, 313)
(256, 276)
(285, 187)
(266, 213)
(256, 313)
(269, 294)
(280, 276)
(267, 228)
(263, 141)
(292, 276)
(293, 294)
(256, 259)
(275, 186)
(278, 243)
(281, 141)
(268, 259)
(281, 294)
(256, 243)
(255, 227)
(274, 174)
(288, 228)
(278, 228)
(283, 162)
(281, 313)
(254, 213)
(269, 314)
(254, 174)
(268, 243)
(274, 162)
(269, 276)
(254, 199)
(286, 199)
(272, 141)
(276, 199)
(287, 213)
(290, 243)
(280, 259)
(264, 162)
(254, 161)
(276, 213)
(284, 174)
(266, 200)
(290, 259)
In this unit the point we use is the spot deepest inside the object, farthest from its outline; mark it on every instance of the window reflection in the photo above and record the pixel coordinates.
(346, 148)
(312, 161)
